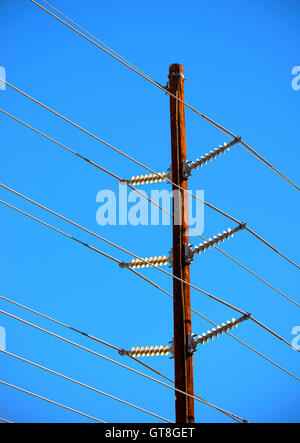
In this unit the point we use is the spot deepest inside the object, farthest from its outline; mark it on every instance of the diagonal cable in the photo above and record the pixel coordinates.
(17, 357)
(149, 169)
(164, 89)
(49, 401)
(149, 281)
(106, 358)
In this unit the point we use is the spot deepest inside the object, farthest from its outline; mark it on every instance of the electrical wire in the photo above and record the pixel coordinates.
(119, 262)
(164, 89)
(261, 239)
(118, 178)
(251, 349)
(234, 417)
(248, 270)
(96, 38)
(107, 344)
(84, 385)
(147, 168)
(270, 246)
(149, 281)
(89, 336)
(5, 421)
(50, 401)
(107, 358)
(116, 348)
(60, 232)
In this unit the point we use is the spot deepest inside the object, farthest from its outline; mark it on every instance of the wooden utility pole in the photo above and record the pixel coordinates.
(184, 378)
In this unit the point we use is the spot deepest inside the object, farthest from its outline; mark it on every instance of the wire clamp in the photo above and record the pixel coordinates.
(186, 170)
(191, 344)
(123, 352)
(189, 254)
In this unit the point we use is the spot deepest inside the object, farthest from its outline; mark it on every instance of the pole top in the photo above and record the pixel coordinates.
(176, 69)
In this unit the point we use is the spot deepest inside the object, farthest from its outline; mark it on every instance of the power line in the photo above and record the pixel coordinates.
(272, 247)
(164, 89)
(95, 38)
(105, 358)
(60, 232)
(118, 261)
(84, 385)
(248, 270)
(118, 178)
(252, 349)
(149, 169)
(61, 145)
(118, 349)
(149, 281)
(89, 336)
(5, 421)
(266, 243)
(107, 344)
(264, 357)
(50, 401)
(85, 159)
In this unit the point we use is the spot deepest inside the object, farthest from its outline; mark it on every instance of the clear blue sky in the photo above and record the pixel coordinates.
(238, 58)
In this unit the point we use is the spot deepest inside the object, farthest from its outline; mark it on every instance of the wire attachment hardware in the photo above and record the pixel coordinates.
(218, 239)
(148, 351)
(189, 252)
(194, 340)
(188, 166)
(149, 178)
(147, 262)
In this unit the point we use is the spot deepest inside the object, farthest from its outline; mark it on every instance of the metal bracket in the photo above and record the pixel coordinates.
(186, 170)
(189, 254)
(171, 258)
(172, 349)
(191, 344)
(177, 74)
(123, 352)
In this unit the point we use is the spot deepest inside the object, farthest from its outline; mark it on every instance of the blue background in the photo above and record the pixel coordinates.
(238, 58)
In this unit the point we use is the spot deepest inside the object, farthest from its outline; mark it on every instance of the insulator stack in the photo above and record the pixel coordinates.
(148, 179)
(218, 239)
(151, 261)
(212, 155)
(153, 351)
(220, 330)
